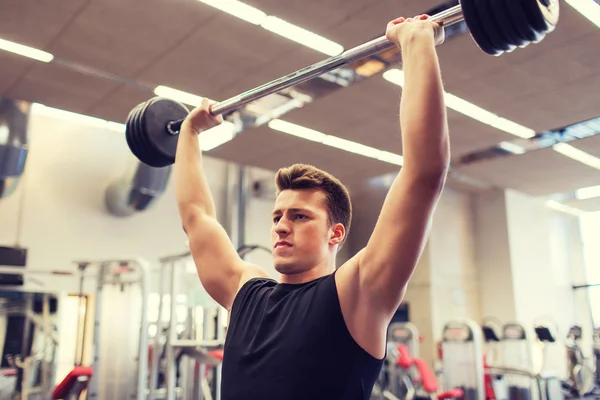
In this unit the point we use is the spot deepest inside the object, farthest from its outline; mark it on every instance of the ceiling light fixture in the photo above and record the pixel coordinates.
(577, 155)
(588, 8)
(334, 141)
(587, 193)
(238, 9)
(25, 51)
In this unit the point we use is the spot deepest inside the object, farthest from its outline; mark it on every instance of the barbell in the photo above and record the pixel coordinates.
(496, 26)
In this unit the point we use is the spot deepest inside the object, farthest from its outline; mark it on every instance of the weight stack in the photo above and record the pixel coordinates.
(14, 117)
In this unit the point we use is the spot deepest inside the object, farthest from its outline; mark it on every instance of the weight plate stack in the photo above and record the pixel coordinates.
(491, 27)
(476, 29)
(147, 134)
(502, 17)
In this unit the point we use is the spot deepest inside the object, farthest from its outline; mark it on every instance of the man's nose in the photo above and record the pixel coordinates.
(282, 226)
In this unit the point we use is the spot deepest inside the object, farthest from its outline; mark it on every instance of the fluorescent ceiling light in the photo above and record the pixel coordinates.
(588, 8)
(511, 148)
(577, 155)
(238, 9)
(217, 136)
(350, 146)
(391, 158)
(178, 95)
(302, 36)
(296, 130)
(394, 76)
(334, 141)
(555, 205)
(587, 193)
(26, 51)
(41, 109)
(462, 106)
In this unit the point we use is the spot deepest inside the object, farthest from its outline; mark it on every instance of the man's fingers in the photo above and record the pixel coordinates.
(397, 21)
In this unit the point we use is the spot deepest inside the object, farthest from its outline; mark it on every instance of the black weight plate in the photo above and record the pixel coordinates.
(154, 157)
(521, 22)
(502, 16)
(151, 157)
(475, 28)
(491, 27)
(131, 134)
(535, 13)
(147, 157)
(158, 114)
(159, 159)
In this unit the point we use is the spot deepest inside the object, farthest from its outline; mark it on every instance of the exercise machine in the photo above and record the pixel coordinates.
(596, 350)
(28, 337)
(408, 376)
(73, 385)
(120, 337)
(186, 352)
(495, 384)
(462, 358)
(582, 379)
(515, 366)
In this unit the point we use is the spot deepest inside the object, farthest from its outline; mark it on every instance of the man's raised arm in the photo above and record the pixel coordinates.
(219, 266)
(400, 234)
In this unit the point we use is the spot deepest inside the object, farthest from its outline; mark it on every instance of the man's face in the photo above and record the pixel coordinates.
(300, 235)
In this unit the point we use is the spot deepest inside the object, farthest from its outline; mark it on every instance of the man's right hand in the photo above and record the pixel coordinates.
(200, 119)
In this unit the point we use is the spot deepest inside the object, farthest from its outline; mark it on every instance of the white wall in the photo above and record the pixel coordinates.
(454, 274)
(493, 257)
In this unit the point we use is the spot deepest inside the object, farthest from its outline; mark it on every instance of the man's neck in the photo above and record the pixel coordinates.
(316, 272)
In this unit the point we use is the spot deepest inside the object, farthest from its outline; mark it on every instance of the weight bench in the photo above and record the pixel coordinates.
(73, 385)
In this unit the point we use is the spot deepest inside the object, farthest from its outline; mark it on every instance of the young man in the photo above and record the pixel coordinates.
(320, 333)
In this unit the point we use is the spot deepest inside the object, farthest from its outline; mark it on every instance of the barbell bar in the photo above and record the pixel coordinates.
(496, 26)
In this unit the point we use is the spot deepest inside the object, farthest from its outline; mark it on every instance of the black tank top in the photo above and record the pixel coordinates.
(290, 342)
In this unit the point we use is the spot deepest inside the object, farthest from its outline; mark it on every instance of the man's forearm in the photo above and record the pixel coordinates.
(422, 110)
(191, 187)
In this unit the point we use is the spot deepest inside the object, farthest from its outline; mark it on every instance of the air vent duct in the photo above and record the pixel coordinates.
(137, 191)
(13, 143)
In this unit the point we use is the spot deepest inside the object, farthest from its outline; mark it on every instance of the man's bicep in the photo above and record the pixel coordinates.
(219, 266)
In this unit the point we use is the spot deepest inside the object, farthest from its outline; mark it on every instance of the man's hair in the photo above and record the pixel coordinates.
(337, 198)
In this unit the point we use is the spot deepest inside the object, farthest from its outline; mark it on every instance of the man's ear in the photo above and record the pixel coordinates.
(338, 233)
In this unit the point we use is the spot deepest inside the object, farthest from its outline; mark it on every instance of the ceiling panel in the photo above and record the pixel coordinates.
(11, 67)
(468, 135)
(116, 104)
(36, 22)
(539, 173)
(313, 15)
(578, 101)
(291, 59)
(371, 20)
(125, 37)
(57, 86)
(222, 51)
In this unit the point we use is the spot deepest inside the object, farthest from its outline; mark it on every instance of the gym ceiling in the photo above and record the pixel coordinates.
(109, 55)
